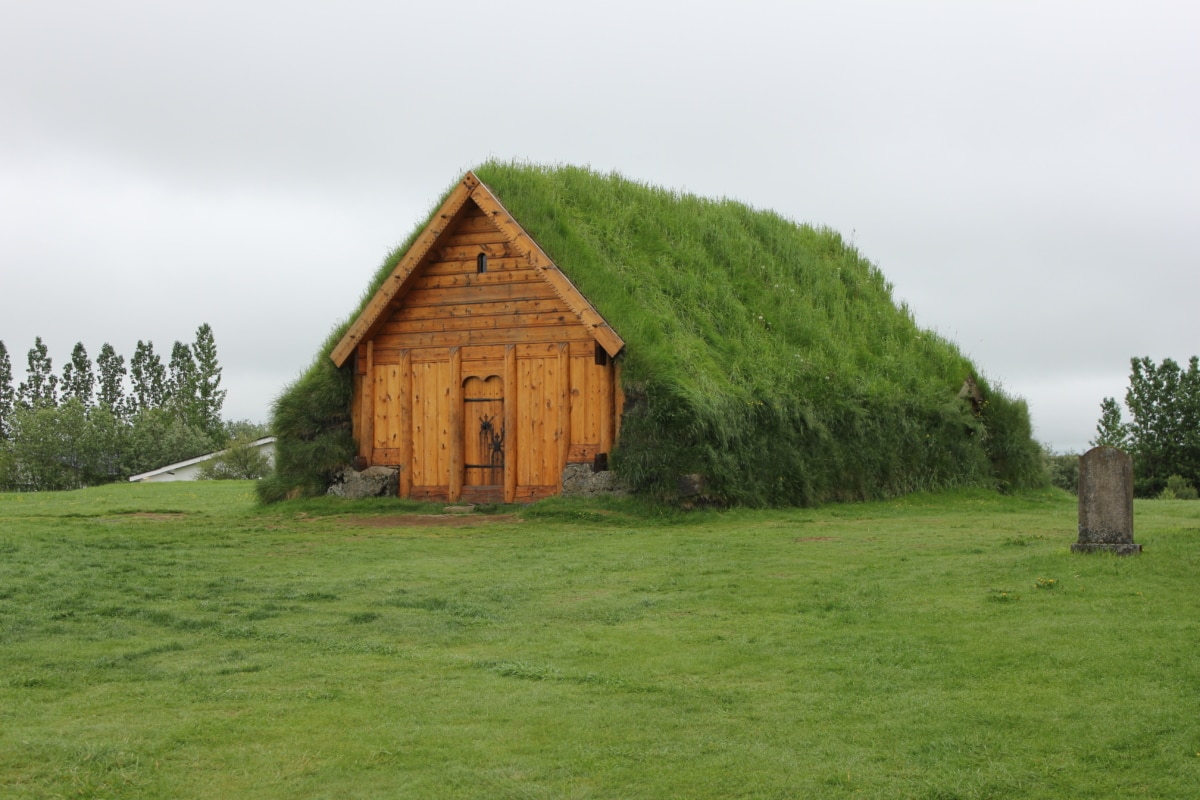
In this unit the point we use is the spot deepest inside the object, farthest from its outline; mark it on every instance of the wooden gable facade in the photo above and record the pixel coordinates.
(479, 369)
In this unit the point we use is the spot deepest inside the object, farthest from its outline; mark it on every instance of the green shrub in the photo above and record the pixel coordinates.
(1178, 488)
(241, 460)
(1062, 470)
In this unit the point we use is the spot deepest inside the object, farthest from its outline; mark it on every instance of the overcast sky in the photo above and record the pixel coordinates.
(1026, 173)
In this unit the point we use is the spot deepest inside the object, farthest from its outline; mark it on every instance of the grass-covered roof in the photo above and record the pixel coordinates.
(767, 356)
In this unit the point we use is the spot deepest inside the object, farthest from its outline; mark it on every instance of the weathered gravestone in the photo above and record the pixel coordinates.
(1106, 502)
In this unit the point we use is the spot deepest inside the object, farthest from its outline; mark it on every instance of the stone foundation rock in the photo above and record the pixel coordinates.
(371, 482)
(579, 480)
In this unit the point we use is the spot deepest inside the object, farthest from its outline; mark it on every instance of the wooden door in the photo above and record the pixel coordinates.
(542, 422)
(483, 439)
(431, 427)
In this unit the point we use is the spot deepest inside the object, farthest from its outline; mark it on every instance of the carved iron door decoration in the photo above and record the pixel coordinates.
(491, 447)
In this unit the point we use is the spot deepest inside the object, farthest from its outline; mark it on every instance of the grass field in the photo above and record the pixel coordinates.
(180, 641)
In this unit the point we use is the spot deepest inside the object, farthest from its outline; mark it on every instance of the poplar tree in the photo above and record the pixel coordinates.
(40, 387)
(77, 379)
(209, 396)
(181, 383)
(6, 393)
(149, 377)
(111, 392)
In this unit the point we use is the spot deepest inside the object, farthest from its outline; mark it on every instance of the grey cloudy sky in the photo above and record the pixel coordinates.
(1025, 173)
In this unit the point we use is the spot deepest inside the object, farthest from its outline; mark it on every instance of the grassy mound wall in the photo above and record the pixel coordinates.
(767, 356)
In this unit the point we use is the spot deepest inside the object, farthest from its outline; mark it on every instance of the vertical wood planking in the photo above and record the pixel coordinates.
(545, 419)
(420, 410)
(446, 390)
(529, 402)
(456, 424)
(356, 404)
(356, 412)
(524, 430)
(438, 443)
(579, 401)
(394, 381)
(562, 398)
(406, 424)
(366, 439)
(606, 409)
(381, 407)
(618, 403)
(512, 439)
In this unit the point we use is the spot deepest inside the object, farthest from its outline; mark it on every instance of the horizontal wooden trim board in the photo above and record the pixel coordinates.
(498, 250)
(525, 494)
(404, 341)
(475, 222)
(472, 322)
(421, 355)
(471, 266)
(430, 494)
(386, 456)
(460, 238)
(453, 310)
(482, 494)
(476, 357)
(536, 350)
(582, 453)
(458, 280)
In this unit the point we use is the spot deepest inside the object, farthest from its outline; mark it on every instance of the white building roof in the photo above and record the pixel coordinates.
(172, 468)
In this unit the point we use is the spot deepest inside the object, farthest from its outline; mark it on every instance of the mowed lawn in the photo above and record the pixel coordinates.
(180, 641)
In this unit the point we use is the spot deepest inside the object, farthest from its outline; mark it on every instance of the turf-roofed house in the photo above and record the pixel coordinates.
(547, 316)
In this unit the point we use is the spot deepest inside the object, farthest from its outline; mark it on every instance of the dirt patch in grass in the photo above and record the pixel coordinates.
(427, 520)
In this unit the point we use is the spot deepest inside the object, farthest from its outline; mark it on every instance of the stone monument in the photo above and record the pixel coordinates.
(1106, 502)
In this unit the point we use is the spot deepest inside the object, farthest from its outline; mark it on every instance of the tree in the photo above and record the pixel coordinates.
(1062, 469)
(1111, 431)
(40, 388)
(149, 377)
(7, 396)
(111, 393)
(240, 461)
(77, 379)
(209, 396)
(62, 447)
(157, 437)
(245, 429)
(1163, 435)
(181, 382)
